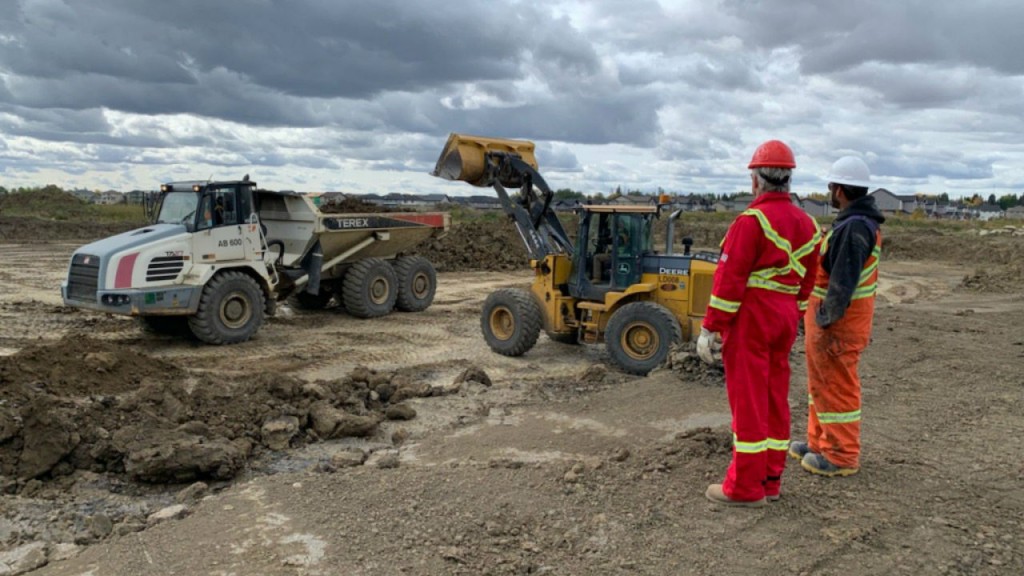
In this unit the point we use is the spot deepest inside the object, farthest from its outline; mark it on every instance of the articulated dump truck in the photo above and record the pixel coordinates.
(221, 255)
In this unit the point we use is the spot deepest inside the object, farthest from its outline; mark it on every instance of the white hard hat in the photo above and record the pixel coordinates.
(851, 171)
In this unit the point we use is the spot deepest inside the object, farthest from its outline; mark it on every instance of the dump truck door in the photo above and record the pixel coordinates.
(220, 232)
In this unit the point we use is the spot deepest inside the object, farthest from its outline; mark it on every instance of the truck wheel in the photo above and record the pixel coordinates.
(230, 309)
(318, 301)
(165, 325)
(370, 288)
(510, 321)
(639, 336)
(417, 282)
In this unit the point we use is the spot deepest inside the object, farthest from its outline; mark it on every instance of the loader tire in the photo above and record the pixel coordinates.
(370, 288)
(417, 282)
(230, 309)
(176, 326)
(510, 321)
(639, 336)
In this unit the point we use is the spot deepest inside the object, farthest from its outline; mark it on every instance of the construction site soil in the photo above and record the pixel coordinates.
(402, 445)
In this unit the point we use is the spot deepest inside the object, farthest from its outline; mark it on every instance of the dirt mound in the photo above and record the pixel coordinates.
(492, 246)
(1001, 279)
(352, 205)
(40, 230)
(82, 404)
(683, 360)
(78, 366)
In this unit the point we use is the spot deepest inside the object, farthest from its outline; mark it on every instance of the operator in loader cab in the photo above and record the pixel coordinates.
(763, 280)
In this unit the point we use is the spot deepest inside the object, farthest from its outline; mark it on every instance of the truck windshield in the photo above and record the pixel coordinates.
(178, 208)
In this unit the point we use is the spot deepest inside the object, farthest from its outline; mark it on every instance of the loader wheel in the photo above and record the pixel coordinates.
(510, 321)
(417, 282)
(230, 309)
(370, 288)
(639, 335)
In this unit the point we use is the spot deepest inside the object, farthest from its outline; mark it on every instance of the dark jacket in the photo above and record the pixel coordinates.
(853, 239)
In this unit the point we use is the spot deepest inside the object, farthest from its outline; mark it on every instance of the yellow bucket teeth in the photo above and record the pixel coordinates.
(465, 157)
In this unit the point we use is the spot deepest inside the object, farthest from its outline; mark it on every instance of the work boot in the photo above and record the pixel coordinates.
(716, 495)
(818, 464)
(799, 449)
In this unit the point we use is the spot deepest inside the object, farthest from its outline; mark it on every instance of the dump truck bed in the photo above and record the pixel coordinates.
(298, 223)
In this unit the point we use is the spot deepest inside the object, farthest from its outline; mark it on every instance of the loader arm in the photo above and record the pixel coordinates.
(499, 163)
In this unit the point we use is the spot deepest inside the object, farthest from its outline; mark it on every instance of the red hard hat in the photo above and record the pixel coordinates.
(773, 154)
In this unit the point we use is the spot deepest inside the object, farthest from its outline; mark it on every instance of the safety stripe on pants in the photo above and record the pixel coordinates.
(758, 447)
(838, 417)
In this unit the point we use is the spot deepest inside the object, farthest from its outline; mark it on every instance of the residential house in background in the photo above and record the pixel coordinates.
(135, 197)
(889, 203)
(817, 208)
(988, 212)
(736, 204)
(1015, 212)
(110, 197)
(83, 194)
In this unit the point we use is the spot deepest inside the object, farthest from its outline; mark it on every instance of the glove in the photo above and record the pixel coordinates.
(708, 344)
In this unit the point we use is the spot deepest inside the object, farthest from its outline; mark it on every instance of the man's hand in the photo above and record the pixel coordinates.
(708, 345)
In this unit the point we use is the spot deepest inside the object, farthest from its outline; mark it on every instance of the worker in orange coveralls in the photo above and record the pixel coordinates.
(837, 325)
(763, 281)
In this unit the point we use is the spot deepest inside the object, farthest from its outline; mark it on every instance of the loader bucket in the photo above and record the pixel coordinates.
(465, 157)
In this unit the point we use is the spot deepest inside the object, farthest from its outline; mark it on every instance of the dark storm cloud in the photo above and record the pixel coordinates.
(837, 35)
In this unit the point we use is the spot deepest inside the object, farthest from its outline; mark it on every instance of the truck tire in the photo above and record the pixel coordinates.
(370, 288)
(417, 282)
(510, 321)
(230, 309)
(176, 326)
(639, 336)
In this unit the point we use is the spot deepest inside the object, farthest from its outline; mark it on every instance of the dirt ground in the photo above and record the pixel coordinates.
(402, 445)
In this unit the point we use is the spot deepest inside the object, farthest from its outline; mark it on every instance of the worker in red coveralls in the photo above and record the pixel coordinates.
(837, 325)
(764, 278)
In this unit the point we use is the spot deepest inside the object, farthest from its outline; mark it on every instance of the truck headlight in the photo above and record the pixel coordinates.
(116, 299)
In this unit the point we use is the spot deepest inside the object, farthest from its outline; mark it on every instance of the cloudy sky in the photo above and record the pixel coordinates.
(360, 96)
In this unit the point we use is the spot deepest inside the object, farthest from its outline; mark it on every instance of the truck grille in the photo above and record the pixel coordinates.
(164, 268)
(83, 278)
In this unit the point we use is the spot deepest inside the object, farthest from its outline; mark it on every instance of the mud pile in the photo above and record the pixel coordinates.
(352, 205)
(83, 404)
(683, 360)
(491, 246)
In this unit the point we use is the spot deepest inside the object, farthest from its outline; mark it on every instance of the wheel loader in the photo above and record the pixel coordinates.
(610, 286)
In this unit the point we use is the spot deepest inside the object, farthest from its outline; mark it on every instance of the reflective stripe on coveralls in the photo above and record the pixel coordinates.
(867, 284)
(833, 354)
(765, 278)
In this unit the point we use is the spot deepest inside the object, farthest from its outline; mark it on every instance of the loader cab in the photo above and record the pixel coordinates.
(613, 240)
